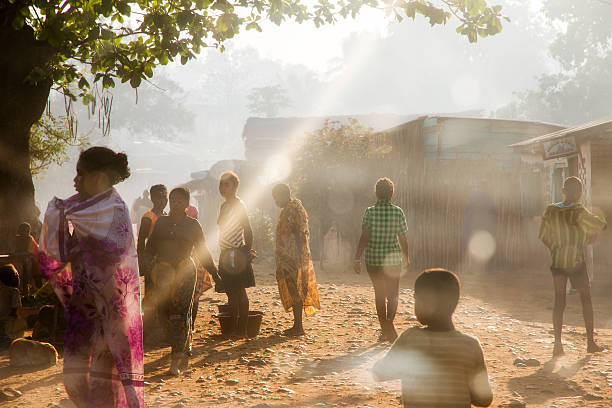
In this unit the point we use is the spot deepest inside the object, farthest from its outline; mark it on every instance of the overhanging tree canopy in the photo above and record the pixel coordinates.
(80, 47)
(127, 39)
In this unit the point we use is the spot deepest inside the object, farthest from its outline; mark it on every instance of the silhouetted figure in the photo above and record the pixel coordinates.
(159, 197)
(383, 238)
(169, 252)
(566, 229)
(140, 206)
(11, 326)
(295, 273)
(26, 258)
(236, 243)
(438, 365)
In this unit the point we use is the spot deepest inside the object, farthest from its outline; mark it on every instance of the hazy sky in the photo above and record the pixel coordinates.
(357, 66)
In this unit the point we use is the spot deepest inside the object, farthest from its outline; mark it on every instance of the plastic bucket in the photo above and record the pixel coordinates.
(253, 323)
(223, 308)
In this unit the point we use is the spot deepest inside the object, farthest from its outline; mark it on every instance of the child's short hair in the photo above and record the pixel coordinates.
(158, 189)
(9, 276)
(24, 229)
(573, 182)
(444, 284)
(230, 176)
(184, 191)
(384, 188)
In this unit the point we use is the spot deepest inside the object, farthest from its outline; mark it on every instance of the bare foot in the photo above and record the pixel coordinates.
(558, 350)
(391, 333)
(174, 366)
(294, 332)
(592, 347)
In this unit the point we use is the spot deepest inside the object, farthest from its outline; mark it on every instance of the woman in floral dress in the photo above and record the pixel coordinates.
(295, 273)
(87, 253)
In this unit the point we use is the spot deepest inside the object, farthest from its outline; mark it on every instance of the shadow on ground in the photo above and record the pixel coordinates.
(559, 382)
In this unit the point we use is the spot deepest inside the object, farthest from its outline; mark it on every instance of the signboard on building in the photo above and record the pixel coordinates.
(560, 148)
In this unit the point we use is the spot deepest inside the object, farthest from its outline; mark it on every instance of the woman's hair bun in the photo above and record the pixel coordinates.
(100, 158)
(121, 166)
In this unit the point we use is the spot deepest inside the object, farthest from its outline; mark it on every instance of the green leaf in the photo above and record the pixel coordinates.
(83, 83)
(253, 26)
(135, 81)
(148, 70)
(108, 82)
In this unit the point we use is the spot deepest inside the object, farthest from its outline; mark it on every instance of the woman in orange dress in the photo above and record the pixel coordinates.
(295, 273)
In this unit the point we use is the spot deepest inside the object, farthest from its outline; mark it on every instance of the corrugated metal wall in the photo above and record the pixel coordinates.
(434, 194)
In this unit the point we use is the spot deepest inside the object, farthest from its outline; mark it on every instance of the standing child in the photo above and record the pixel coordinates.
(438, 365)
(566, 229)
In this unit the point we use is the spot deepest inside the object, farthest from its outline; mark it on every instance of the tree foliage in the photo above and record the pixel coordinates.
(50, 141)
(582, 89)
(263, 232)
(127, 39)
(334, 171)
(267, 101)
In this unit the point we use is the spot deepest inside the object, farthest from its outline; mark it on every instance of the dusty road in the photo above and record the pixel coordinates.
(330, 366)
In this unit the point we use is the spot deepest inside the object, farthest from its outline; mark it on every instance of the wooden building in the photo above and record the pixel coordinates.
(455, 176)
(584, 151)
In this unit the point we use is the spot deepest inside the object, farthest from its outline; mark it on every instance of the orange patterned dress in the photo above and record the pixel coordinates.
(294, 270)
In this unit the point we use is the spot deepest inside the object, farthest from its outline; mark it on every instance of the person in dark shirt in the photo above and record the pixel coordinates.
(169, 252)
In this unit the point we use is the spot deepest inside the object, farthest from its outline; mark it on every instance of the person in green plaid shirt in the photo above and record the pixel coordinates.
(383, 238)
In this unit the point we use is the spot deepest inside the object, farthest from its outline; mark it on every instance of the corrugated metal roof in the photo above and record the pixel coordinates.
(468, 118)
(566, 132)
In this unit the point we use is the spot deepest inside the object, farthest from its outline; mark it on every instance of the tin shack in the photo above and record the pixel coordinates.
(460, 186)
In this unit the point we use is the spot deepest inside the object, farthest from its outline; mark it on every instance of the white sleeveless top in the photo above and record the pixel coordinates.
(231, 231)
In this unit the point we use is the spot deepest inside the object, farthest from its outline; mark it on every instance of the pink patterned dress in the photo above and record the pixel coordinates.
(87, 253)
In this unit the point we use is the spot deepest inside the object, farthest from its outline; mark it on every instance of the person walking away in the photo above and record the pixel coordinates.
(438, 365)
(566, 229)
(169, 253)
(93, 268)
(236, 243)
(383, 238)
(295, 273)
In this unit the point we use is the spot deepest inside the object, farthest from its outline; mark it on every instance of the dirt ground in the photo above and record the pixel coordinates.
(509, 312)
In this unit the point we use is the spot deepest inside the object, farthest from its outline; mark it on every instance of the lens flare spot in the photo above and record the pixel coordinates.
(482, 245)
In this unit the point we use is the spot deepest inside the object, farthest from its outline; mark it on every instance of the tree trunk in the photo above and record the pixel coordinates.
(22, 104)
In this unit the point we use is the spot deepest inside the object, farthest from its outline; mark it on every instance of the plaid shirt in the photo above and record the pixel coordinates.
(385, 221)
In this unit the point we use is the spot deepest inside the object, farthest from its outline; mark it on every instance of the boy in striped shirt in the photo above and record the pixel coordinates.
(439, 366)
(566, 229)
